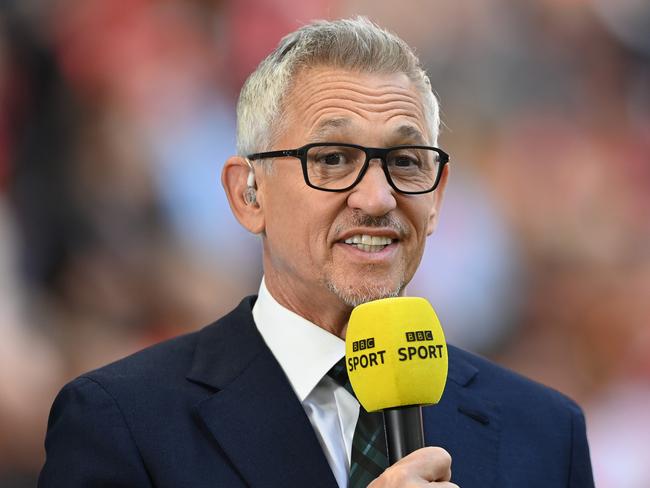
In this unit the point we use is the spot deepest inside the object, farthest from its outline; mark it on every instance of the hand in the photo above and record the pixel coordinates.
(429, 466)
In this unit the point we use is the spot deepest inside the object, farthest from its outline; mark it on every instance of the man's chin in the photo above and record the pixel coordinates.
(356, 294)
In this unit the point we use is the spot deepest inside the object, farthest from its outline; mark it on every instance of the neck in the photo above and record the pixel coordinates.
(321, 307)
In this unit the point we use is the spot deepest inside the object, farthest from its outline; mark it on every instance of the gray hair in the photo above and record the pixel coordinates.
(355, 44)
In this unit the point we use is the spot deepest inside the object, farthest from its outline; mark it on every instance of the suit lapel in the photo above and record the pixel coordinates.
(255, 416)
(466, 425)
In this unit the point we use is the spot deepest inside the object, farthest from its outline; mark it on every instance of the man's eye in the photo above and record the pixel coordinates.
(405, 161)
(332, 159)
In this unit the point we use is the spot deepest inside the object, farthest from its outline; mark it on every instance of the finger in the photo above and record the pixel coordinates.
(428, 463)
(438, 467)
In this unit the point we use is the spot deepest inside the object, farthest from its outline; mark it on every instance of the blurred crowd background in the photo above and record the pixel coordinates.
(117, 115)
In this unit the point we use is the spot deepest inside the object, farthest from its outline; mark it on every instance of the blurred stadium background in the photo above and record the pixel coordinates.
(117, 115)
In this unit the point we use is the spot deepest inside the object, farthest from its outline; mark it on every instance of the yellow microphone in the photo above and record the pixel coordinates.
(396, 358)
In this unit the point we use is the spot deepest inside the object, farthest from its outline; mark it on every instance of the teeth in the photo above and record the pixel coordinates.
(367, 248)
(380, 241)
(369, 243)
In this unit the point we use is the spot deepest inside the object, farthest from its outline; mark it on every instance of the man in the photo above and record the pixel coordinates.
(339, 174)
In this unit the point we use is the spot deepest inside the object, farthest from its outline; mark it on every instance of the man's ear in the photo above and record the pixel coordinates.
(239, 186)
(437, 202)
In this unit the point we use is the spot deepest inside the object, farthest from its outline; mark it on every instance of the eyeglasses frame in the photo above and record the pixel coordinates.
(370, 152)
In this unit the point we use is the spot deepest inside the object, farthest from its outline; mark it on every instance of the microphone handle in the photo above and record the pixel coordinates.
(404, 431)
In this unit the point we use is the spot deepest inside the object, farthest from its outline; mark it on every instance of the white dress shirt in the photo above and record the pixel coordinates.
(306, 353)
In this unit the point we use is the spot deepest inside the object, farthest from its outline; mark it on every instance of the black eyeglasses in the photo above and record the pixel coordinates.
(333, 166)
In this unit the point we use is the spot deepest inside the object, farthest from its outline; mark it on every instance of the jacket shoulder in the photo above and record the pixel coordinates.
(495, 382)
(170, 357)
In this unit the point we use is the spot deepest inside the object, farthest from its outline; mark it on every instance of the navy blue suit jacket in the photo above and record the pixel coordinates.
(214, 409)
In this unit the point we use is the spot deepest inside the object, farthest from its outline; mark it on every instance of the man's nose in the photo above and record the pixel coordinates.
(373, 195)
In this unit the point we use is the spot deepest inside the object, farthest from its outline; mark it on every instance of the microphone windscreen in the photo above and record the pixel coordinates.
(396, 353)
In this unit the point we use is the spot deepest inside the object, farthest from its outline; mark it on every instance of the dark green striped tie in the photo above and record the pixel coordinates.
(369, 453)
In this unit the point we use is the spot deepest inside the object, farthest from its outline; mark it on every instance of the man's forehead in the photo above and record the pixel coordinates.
(330, 104)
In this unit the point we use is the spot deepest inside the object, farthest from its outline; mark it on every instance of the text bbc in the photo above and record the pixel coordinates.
(363, 344)
(419, 336)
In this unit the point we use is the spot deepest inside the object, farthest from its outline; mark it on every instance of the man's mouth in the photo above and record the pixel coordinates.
(368, 243)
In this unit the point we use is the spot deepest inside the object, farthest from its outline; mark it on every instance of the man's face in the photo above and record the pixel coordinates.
(308, 263)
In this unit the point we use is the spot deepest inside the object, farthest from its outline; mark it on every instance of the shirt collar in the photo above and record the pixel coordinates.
(305, 351)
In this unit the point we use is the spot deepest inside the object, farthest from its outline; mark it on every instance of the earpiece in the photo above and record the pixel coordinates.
(250, 195)
(250, 181)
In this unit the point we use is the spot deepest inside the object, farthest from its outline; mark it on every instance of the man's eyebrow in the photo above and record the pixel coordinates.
(325, 128)
(407, 134)
(412, 134)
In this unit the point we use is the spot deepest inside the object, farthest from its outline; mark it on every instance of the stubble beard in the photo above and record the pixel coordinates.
(364, 292)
